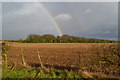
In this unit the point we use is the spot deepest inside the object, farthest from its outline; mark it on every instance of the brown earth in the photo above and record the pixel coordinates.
(59, 54)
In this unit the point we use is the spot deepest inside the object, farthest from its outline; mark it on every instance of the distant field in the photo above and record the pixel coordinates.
(69, 56)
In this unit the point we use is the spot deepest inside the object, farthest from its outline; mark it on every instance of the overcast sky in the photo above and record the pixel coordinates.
(85, 19)
(0, 21)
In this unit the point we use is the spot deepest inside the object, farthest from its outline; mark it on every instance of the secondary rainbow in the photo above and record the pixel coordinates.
(50, 17)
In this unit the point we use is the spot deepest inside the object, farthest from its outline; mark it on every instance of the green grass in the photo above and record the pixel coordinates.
(22, 72)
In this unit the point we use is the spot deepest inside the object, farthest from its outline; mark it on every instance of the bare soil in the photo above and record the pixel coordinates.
(59, 54)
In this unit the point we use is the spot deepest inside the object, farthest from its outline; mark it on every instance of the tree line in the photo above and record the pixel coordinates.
(49, 38)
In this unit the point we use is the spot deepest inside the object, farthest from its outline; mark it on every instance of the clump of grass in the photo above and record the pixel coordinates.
(40, 60)
(23, 59)
(5, 48)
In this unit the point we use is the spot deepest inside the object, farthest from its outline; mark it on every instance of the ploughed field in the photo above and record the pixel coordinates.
(59, 54)
(87, 56)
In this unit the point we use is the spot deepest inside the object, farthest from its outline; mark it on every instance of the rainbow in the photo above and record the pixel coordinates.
(50, 17)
